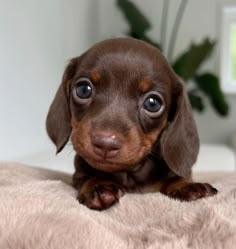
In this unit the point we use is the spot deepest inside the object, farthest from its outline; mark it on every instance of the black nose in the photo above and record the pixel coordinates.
(106, 145)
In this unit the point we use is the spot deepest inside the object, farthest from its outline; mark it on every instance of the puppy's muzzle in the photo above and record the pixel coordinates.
(106, 144)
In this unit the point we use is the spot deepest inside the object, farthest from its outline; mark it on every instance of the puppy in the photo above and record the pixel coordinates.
(130, 124)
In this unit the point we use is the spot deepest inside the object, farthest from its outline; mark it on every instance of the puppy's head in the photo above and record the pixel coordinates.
(119, 100)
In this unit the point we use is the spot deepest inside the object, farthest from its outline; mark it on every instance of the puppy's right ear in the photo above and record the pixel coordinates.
(58, 122)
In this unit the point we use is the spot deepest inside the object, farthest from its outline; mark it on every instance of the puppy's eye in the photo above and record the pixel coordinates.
(152, 104)
(84, 91)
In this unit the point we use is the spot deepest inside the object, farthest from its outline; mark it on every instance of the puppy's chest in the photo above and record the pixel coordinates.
(137, 178)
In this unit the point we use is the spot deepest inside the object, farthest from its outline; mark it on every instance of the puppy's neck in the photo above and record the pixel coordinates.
(146, 172)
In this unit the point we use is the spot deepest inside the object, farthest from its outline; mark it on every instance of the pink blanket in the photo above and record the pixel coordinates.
(38, 210)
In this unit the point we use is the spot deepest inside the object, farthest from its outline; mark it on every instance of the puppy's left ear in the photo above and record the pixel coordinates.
(180, 142)
(58, 121)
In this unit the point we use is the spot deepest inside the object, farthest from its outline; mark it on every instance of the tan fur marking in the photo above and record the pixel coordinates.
(145, 85)
(95, 76)
(173, 183)
(152, 136)
(152, 188)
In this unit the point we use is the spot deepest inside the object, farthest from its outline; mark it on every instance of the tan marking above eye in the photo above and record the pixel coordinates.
(145, 86)
(95, 76)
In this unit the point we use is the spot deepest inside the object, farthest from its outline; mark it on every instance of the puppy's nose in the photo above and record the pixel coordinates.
(106, 145)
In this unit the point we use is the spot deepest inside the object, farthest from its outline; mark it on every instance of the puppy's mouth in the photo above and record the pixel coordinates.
(121, 161)
(105, 165)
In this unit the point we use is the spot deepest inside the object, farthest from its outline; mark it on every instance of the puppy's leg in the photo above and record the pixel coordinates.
(181, 189)
(95, 189)
(97, 193)
(186, 190)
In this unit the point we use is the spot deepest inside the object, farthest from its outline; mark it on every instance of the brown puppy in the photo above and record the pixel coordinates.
(130, 124)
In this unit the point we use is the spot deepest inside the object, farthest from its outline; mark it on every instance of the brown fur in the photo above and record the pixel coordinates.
(117, 140)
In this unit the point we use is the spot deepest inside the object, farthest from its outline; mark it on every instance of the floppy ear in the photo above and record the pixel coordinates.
(58, 122)
(180, 142)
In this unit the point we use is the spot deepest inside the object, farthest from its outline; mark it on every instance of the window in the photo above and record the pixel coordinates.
(228, 49)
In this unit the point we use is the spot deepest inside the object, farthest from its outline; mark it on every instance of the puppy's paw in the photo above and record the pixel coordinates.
(100, 196)
(193, 191)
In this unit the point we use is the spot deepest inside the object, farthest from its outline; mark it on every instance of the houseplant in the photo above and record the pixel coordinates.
(187, 64)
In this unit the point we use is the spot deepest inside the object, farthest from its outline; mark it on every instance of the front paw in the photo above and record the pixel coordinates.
(193, 191)
(101, 195)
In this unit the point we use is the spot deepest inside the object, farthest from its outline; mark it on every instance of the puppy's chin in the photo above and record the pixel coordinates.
(105, 165)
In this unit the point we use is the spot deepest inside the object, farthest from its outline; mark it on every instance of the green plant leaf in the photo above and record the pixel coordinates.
(145, 38)
(188, 63)
(196, 101)
(138, 23)
(209, 84)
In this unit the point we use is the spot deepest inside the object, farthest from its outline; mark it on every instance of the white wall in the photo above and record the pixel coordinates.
(201, 19)
(36, 40)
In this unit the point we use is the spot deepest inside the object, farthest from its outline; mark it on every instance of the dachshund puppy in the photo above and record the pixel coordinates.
(130, 124)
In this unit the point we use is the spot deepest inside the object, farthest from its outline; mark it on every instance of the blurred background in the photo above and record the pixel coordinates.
(37, 38)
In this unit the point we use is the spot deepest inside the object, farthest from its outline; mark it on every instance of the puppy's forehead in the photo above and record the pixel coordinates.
(124, 58)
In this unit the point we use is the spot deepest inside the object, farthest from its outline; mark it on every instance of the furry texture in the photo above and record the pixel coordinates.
(39, 210)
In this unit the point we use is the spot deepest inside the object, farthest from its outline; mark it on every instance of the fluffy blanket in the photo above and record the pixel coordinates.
(38, 210)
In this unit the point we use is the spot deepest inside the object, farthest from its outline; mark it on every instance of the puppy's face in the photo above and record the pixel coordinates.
(119, 105)
(120, 95)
